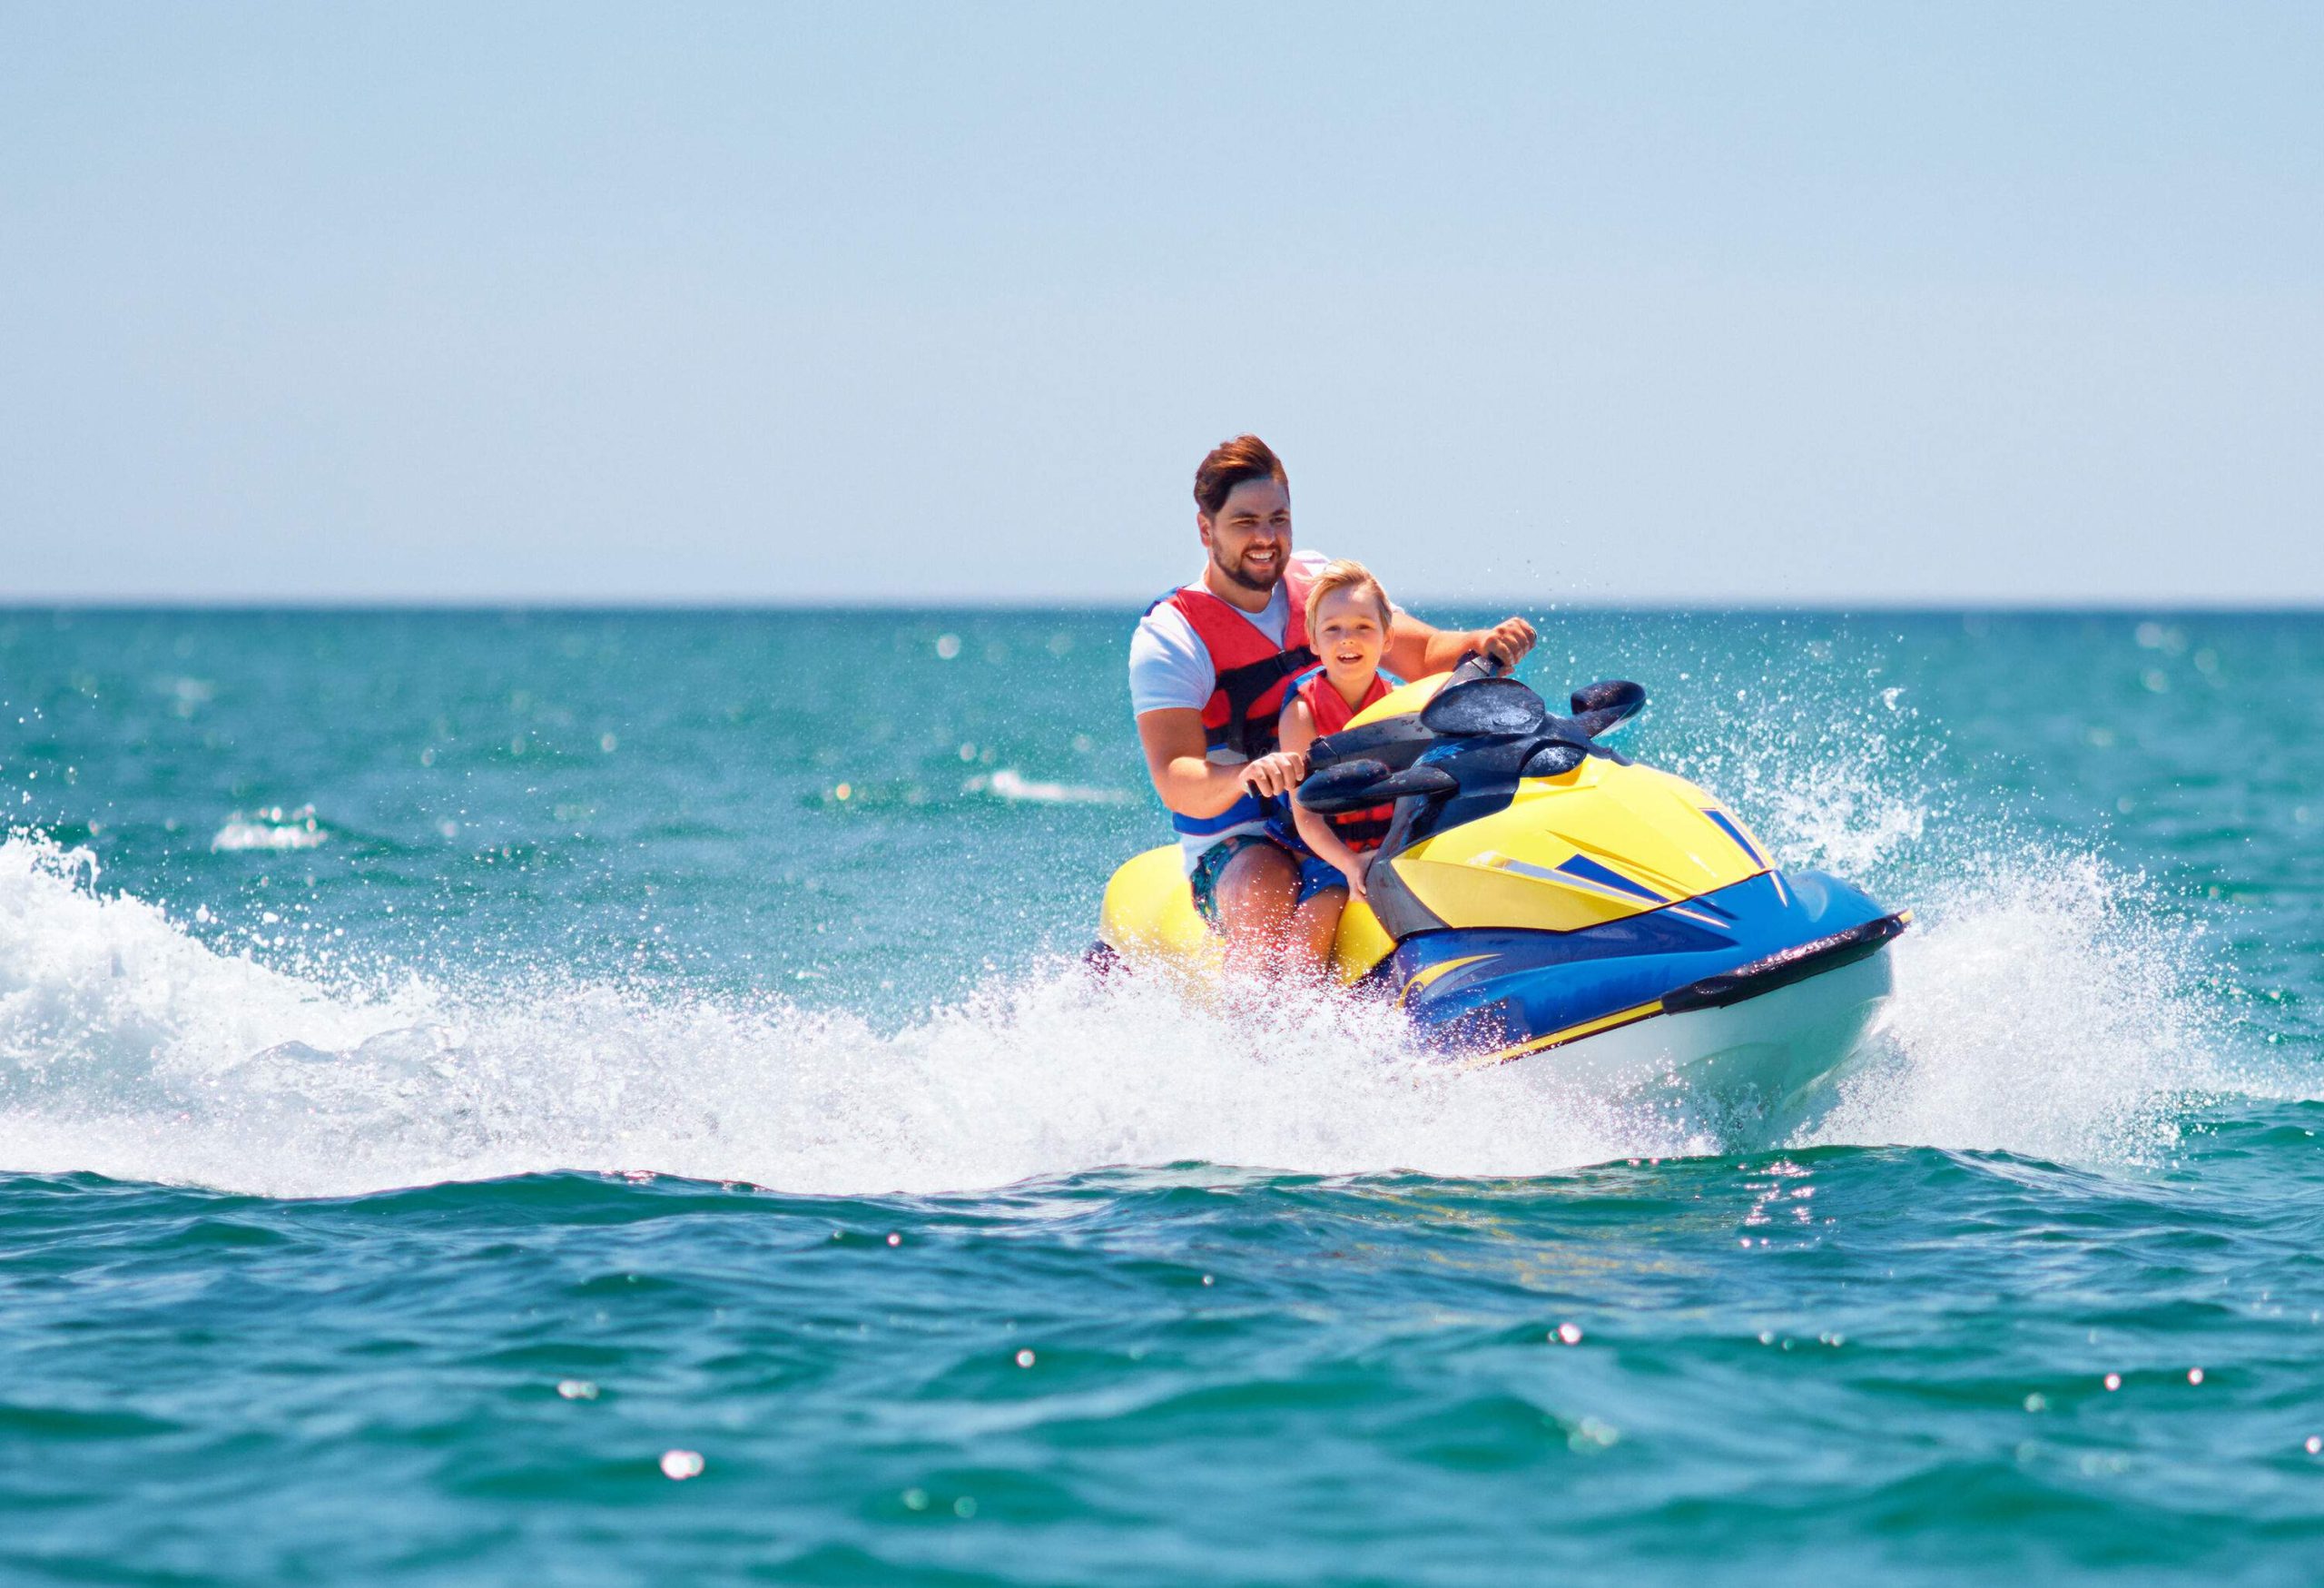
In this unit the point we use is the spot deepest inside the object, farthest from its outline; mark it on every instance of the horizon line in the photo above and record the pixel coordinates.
(685, 606)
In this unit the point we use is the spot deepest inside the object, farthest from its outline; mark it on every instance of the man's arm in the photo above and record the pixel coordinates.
(1188, 783)
(1416, 650)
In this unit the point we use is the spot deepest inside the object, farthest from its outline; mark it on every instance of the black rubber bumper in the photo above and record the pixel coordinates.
(1783, 969)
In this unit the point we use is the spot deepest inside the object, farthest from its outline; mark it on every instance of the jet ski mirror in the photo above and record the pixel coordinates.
(1554, 760)
(1395, 743)
(1599, 707)
(1483, 706)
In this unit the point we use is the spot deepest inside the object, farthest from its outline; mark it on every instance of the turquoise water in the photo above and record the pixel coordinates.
(456, 1068)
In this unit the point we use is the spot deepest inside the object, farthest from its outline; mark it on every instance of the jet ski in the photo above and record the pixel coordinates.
(1542, 900)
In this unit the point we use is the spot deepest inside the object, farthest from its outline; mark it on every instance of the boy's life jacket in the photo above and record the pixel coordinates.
(1359, 830)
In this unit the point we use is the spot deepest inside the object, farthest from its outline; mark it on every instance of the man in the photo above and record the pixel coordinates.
(1208, 670)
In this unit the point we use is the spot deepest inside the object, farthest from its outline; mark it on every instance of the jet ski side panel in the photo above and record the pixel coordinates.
(1574, 852)
(1148, 919)
(1503, 992)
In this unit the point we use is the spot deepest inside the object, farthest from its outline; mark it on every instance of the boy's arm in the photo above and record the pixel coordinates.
(1298, 728)
(1295, 728)
(1329, 847)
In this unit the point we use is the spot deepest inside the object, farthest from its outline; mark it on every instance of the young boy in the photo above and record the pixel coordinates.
(1348, 618)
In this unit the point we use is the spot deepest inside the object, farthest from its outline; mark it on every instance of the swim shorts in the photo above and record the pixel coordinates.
(1314, 874)
(1212, 861)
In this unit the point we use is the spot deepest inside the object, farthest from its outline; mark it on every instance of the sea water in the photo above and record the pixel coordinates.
(588, 1098)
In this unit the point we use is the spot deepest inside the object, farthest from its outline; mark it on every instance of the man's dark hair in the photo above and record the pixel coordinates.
(1229, 465)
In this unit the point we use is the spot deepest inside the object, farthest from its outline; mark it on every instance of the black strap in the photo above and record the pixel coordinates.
(1243, 687)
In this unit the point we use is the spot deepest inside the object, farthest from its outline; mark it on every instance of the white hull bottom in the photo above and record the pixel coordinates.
(1761, 1056)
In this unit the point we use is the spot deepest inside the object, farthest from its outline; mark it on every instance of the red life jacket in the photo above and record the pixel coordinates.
(1251, 671)
(1359, 830)
(1333, 713)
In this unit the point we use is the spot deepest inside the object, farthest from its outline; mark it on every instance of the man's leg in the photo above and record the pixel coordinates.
(1256, 890)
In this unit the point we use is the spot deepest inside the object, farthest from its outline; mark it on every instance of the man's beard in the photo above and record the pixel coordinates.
(1261, 586)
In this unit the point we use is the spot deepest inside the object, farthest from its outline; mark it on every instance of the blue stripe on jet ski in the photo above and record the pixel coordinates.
(1590, 871)
(1504, 985)
(1728, 826)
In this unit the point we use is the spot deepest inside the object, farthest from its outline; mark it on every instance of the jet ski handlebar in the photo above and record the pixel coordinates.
(1481, 727)
(1474, 665)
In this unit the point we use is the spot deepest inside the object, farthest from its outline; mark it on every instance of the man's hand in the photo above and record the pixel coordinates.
(1415, 650)
(1507, 641)
(1278, 774)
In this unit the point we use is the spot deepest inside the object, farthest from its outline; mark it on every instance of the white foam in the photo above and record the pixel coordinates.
(1823, 794)
(1008, 784)
(2044, 1008)
(2037, 1011)
(2046, 1004)
(271, 829)
(130, 1049)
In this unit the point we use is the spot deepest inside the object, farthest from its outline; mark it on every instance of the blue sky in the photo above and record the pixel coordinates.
(1778, 304)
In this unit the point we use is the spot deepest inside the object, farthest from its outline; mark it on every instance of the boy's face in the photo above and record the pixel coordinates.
(1349, 635)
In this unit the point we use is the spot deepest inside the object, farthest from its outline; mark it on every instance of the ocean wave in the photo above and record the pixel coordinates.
(271, 828)
(2047, 1007)
(131, 1048)
(1009, 785)
(2039, 1014)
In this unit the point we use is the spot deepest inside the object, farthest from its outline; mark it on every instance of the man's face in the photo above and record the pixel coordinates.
(1250, 538)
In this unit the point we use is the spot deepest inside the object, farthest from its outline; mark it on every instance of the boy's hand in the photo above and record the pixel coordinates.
(1278, 774)
(1357, 871)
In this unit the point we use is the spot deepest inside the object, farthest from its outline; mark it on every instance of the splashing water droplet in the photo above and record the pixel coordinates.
(681, 1465)
(1036, 1062)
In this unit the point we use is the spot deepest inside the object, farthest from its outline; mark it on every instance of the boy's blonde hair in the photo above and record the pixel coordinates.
(1346, 575)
